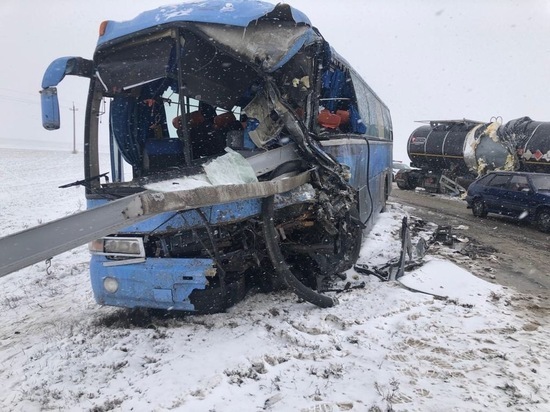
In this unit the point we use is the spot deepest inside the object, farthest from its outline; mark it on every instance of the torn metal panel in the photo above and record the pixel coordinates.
(266, 43)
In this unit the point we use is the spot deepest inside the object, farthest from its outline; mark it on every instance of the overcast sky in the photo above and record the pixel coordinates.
(427, 59)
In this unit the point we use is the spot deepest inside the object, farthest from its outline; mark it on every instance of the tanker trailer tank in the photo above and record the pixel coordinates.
(449, 154)
(532, 142)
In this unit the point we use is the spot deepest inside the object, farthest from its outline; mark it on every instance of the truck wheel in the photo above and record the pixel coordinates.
(543, 220)
(401, 185)
(478, 208)
(405, 184)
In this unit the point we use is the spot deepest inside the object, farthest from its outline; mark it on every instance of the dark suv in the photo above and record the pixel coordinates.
(515, 194)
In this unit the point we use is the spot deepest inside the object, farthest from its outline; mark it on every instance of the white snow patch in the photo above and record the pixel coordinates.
(445, 279)
(383, 346)
(184, 183)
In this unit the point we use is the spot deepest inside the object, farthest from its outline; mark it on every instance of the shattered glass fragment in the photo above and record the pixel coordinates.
(229, 169)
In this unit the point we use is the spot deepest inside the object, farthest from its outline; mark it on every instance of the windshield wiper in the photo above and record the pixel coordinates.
(84, 182)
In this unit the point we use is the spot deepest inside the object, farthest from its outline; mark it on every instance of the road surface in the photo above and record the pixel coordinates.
(521, 255)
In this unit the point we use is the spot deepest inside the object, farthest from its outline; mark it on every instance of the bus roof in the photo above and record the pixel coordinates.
(235, 13)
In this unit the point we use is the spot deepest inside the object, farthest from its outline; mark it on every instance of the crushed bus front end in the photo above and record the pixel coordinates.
(254, 154)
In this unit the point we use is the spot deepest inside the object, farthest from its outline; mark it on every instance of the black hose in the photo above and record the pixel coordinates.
(217, 256)
(279, 264)
(368, 185)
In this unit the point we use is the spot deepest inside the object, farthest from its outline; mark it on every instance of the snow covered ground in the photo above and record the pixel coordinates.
(383, 348)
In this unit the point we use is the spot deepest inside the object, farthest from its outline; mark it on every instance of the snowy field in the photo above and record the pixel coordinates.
(383, 348)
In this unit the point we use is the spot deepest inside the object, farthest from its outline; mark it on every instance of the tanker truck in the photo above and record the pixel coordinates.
(447, 155)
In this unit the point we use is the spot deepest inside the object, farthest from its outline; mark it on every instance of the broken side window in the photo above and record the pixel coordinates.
(343, 104)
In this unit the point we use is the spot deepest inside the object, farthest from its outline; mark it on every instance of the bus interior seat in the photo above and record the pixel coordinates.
(344, 116)
(162, 153)
(196, 118)
(225, 121)
(328, 120)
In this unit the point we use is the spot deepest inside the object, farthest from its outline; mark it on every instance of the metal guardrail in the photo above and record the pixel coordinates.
(34, 245)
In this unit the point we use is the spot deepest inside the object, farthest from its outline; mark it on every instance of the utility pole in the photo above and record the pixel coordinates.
(74, 109)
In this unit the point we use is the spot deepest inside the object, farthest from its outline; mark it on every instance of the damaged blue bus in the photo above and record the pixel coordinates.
(253, 155)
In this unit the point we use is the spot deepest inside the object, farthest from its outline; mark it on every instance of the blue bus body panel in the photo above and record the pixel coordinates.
(218, 214)
(369, 166)
(155, 283)
(235, 13)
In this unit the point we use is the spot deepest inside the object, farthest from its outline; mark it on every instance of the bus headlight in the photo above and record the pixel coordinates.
(110, 284)
(130, 247)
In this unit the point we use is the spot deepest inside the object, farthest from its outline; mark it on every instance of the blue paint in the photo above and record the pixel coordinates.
(155, 283)
(238, 13)
(370, 166)
(55, 72)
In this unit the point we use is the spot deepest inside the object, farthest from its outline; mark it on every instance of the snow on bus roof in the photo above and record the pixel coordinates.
(235, 13)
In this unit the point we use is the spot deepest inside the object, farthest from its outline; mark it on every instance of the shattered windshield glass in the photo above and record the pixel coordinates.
(124, 68)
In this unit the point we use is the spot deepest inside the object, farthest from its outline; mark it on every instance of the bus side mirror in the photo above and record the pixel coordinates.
(50, 108)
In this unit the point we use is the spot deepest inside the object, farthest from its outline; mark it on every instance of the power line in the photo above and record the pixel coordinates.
(18, 99)
(17, 91)
(26, 101)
